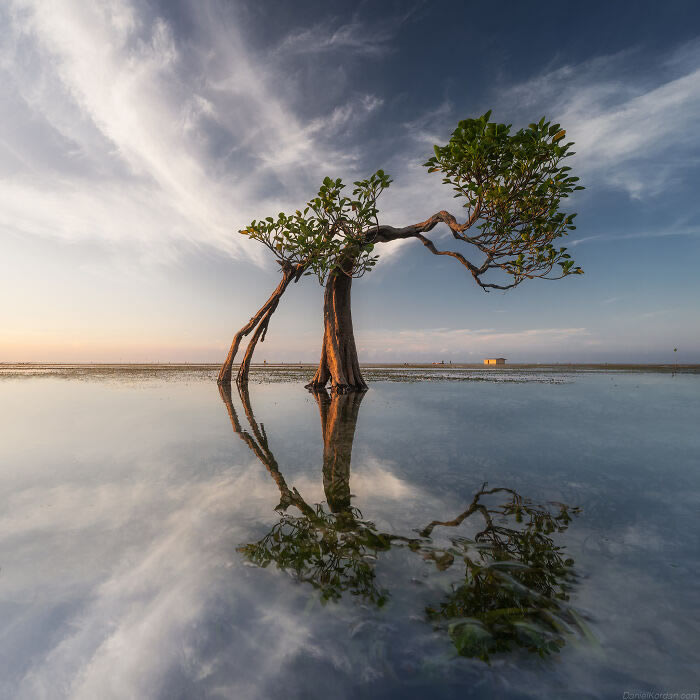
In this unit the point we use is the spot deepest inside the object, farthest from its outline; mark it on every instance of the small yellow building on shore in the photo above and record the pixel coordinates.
(495, 361)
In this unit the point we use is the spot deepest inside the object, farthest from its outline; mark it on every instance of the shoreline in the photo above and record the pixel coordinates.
(207, 366)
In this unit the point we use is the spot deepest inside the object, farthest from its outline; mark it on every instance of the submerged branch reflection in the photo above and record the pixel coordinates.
(514, 581)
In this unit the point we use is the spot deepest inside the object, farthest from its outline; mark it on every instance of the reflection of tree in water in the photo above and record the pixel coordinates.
(333, 551)
(514, 589)
(324, 550)
(516, 580)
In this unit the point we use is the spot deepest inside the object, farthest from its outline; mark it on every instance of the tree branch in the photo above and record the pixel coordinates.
(386, 234)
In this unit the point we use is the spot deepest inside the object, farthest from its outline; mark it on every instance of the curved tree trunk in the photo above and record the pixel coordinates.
(261, 321)
(339, 362)
(260, 332)
(338, 421)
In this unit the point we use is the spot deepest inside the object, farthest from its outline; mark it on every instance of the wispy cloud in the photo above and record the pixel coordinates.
(654, 314)
(638, 135)
(424, 343)
(672, 230)
(635, 133)
(113, 130)
(350, 114)
(351, 38)
(433, 125)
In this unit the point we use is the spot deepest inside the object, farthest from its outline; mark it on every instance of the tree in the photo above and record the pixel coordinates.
(317, 241)
(511, 186)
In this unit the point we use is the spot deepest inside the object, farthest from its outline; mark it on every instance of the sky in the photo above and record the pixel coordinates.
(137, 137)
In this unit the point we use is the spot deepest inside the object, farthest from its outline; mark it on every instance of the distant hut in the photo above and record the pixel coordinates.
(495, 361)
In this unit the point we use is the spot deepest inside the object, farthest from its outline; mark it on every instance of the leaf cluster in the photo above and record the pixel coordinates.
(512, 186)
(328, 234)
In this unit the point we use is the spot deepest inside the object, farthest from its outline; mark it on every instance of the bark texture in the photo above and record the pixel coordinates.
(339, 363)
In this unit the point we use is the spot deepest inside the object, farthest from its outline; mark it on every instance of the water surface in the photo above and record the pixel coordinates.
(138, 554)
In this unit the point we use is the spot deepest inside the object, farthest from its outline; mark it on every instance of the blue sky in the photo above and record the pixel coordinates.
(137, 137)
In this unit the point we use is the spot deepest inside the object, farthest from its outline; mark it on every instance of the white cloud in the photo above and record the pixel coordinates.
(637, 137)
(674, 229)
(432, 126)
(351, 113)
(350, 38)
(632, 134)
(113, 131)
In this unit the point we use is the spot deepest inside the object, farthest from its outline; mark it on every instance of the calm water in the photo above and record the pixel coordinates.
(158, 540)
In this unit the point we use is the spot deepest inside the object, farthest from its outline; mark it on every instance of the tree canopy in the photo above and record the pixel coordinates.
(329, 232)
(510, 184)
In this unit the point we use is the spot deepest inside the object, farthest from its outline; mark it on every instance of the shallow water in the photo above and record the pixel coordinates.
(127, 503)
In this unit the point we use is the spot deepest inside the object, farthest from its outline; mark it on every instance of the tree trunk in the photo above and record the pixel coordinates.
(260, 331)
(339, 362)
(338, 420)
(261, 320)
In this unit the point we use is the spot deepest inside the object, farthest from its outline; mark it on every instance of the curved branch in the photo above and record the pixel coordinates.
(458, 256)
(386, 234)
